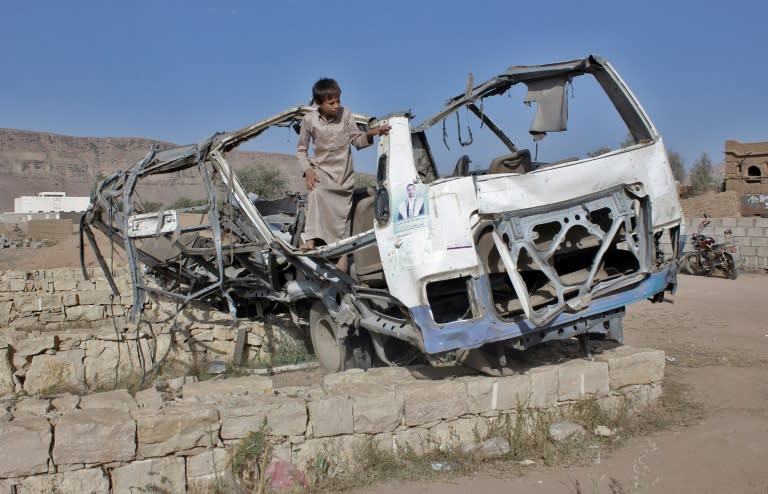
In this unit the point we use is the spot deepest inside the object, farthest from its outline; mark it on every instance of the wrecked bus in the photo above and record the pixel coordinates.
(509, 248)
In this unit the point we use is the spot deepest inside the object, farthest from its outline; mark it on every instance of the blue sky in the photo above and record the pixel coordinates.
(180, 70)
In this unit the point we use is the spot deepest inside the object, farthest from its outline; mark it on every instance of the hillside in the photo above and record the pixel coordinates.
(32, 162)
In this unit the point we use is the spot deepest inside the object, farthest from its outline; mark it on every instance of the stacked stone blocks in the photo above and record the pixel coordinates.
(59, 330)
(112, 442)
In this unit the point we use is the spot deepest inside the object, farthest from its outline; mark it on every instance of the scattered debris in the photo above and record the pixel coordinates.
(217, 367)
(603, 431)
(491, 448)
(285, 475)
(560, 431)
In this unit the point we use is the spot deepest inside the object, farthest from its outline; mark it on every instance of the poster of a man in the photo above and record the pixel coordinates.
(412, 205)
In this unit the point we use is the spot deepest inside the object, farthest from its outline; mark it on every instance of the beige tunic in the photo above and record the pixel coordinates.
(329, 204)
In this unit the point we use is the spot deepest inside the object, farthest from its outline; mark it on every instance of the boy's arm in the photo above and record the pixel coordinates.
(365, 139)
(302, 154)
(362, 139)
(302, 146)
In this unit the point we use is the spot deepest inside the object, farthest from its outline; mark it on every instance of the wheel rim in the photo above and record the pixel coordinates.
(693, 264)
(327, 348)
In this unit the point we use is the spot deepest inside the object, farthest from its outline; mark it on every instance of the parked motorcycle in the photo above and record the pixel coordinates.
(708, 255)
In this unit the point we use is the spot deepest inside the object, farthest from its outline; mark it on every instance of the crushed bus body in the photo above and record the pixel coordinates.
(464, 267)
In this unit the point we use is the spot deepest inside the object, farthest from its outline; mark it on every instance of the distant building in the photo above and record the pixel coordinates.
(18, 218)
(50, 202)
(746, 167)
(746, 172)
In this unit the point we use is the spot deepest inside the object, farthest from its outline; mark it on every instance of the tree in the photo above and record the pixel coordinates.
(598, 152)
(99, 177)
(676, 162)
(628, 141)
(364, 180)
(703, 176)
(148, 206)
(185, 202)
(269, 183)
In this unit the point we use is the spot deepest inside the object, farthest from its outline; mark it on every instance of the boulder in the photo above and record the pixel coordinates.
(560, 431)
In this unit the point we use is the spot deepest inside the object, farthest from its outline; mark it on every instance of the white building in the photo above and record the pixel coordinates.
(45, 202)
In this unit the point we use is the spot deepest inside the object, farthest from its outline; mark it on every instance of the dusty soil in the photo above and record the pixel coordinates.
(715, 336)
(63, 253)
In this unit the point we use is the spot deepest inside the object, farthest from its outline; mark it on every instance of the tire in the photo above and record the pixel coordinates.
(693, 264)
(352, 352)
(729, 266)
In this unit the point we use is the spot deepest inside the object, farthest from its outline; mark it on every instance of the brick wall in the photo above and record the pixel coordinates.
(750, 235)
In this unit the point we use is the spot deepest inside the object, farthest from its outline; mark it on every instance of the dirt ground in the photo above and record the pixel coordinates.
(715, 336)
(61, 254)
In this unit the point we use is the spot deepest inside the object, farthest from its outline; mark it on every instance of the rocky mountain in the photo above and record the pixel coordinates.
(33, 162)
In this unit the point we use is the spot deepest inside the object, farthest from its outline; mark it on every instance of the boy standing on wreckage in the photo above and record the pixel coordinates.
(329, 173)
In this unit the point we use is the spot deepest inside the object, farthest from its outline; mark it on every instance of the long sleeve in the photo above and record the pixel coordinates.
(302, 146)
(359, 138)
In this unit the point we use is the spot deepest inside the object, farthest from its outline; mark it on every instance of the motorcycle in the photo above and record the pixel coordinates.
(708, 255)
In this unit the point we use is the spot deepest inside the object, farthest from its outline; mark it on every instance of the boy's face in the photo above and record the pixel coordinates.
(330, 107)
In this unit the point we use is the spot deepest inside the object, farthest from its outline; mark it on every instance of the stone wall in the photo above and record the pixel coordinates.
(112, 442)
(58, 330)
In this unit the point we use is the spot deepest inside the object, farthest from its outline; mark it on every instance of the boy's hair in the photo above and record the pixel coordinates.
(325, 88)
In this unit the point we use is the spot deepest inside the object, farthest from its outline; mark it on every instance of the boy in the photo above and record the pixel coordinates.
(329, 173)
